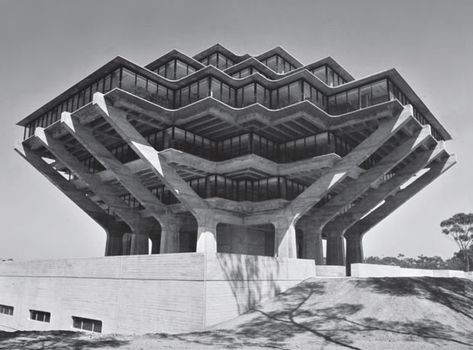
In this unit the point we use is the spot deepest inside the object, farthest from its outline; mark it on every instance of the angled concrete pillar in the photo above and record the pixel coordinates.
(122, 173)
(114, 243)
(285, 238)
(313, 244)
(315, 192)
(354, 250)
(170, 227)
(206, 233)
(139, 243)
(335, 249)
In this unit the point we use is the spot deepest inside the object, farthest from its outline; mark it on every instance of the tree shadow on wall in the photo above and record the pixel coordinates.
(56, 340)
(297, 315)
(252, 278)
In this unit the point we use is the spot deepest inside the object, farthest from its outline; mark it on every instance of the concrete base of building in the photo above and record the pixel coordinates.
(373, 270)
(139, 294)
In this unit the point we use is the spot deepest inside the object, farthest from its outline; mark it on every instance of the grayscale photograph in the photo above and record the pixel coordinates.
(223, 174)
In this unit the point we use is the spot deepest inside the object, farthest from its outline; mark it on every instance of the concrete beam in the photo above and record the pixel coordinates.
(122, 173)
(106, 221)
(166, 173)
(375, 196)
(104, 191)
(402, 196)
(360, 186)
(341, 169)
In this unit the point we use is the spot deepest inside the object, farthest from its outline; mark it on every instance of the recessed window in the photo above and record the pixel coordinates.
(87, 324)
(42, 316)
(6, 309)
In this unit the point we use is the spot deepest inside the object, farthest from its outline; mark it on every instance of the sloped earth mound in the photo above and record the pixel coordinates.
(372, 313)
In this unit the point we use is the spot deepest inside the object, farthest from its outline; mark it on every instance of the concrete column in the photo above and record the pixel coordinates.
(114, 244)
(354, 251)
(139, 244)
(335, 249)
(313, 245)
(170, 235)
(206, 233)
(285, 239)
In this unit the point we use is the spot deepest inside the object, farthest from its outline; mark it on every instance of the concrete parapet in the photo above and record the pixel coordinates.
(372, 270)
(330, 271)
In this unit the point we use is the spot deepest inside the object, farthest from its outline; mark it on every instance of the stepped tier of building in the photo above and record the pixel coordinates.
(257, 155)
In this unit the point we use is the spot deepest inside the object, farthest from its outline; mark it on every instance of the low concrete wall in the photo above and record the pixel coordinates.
(139, 294)
(330, 271)
(372, 270)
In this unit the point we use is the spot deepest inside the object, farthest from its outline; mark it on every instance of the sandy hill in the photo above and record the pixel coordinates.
(373, 313)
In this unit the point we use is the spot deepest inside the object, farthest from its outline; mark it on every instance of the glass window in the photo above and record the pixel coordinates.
(365, 96)
(170, 72)
(261, 95)
(249, 95)
(194, 92)
(295, 92)
(329, 76)
(353, 100)
(379, 91)
(128, 81)
(215, 89)
(184, 96)
(203, 88)
(213, 59)
(283, 96)
(181, 69)
(320, 73)
(272, 63)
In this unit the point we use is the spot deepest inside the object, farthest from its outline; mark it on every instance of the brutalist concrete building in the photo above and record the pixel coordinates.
(226, 155)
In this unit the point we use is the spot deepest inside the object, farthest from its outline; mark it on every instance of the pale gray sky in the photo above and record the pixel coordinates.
(47, 46)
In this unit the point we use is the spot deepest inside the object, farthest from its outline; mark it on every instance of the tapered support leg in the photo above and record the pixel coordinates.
(285, 239)
(170, 235)
(139, 244)
(313, 245)
(114, 244)
(335, 249)
(206, 234)
(354, 251)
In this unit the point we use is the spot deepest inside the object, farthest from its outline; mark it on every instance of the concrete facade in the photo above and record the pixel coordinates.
(139, 294)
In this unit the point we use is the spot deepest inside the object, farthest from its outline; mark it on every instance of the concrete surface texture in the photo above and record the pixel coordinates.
(372, 270)
(415, 313)
(139, 294)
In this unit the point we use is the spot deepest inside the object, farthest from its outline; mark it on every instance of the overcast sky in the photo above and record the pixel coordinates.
(47, 46)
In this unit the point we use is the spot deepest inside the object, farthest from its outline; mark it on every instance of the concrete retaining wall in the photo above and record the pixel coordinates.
(139, 294)
(330, 271)
(372, 270)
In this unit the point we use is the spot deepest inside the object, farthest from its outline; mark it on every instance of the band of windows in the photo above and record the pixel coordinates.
(240, 145)
(276, 187)
(347, 101)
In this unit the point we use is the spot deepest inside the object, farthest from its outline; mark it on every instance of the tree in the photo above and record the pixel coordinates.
(460, 228)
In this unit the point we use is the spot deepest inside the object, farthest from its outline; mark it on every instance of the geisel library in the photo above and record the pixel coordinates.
(216, 179)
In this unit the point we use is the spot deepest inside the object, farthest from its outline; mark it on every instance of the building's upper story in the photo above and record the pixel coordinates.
(274, 79)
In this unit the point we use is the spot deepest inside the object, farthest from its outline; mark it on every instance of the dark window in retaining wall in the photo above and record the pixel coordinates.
(6, 309)
(87, 324)
(42, 316)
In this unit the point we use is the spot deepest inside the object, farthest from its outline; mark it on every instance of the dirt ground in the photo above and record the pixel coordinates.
(374, 313)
